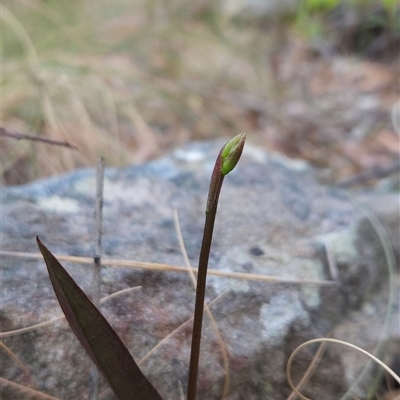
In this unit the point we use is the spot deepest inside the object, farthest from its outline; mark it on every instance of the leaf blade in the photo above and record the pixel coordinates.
(97, 336)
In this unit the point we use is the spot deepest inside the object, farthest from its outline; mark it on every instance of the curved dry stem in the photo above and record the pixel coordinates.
(80, 112)
(8, 17)
(174, 332)
(55, 17)
(181, 394)
(31, 393)
(30, 328)
(61, 317)
(310, 370)
(336, 341)
(147, 141)
(19, 362)
(120, 293)
(391, 266)
(165, 340)
(207, 308)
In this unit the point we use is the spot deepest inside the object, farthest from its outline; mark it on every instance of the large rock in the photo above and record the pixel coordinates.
(273, 219)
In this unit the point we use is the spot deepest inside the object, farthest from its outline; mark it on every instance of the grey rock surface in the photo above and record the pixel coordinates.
(273, 219)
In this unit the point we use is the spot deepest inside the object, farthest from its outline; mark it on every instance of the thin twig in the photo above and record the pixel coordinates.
(21, 136)
(373, 173)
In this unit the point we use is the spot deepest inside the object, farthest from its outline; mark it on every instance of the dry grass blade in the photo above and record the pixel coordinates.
(174, 332)
(181, 394)
(310, 370)
(390, 259)
(8, 17)
(47, 11)
(77, 73)
(18, 361)
(390, 395)
(119, 293)
(174, 268)
(27, 392)
(30, 328)
(333, 268)
(62, 317)
(165, 340)
(335, 341)
(147, 143)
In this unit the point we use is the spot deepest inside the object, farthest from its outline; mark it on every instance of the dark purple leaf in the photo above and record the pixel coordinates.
(97, 336)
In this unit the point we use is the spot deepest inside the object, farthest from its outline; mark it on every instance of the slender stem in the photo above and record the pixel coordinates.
(225, 163)
(201, 282)
(94, 373)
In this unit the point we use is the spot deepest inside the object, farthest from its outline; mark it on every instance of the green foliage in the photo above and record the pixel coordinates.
(312, 15)
(320, 5)
(390, 4)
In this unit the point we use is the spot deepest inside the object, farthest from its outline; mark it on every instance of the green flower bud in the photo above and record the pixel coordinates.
(231, 153)
(227, 159)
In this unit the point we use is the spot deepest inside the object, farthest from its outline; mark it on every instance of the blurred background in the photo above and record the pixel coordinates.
(132, 79)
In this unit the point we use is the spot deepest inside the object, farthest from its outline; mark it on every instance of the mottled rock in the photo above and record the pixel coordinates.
(274, 219)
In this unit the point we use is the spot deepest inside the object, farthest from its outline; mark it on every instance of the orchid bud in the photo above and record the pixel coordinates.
(231, 153)
(227, 159)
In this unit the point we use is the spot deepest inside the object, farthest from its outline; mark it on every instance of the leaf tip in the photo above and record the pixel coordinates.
(40, 244)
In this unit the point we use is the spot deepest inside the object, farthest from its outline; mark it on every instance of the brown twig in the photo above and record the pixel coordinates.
(20, 136)
(370, 174)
